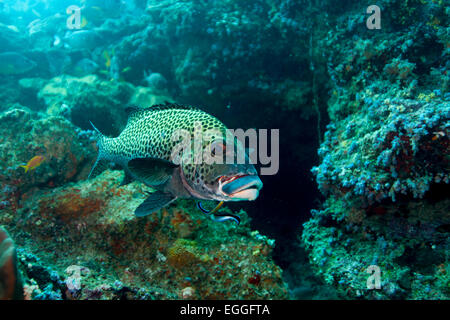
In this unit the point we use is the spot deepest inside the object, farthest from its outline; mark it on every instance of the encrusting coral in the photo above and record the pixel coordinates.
(385, 159)
(10, 280)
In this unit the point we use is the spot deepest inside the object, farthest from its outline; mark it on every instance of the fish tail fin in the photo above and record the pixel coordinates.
(101, 163)
(25, 167)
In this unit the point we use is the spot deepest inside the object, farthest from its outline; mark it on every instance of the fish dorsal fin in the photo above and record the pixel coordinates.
(170, 106)
(151, 171)
(132, 111)
(135, 112)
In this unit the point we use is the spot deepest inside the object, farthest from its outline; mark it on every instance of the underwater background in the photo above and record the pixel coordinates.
(362, 189)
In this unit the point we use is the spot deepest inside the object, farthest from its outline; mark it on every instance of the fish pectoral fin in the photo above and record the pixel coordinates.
(127, 179)
(152, 171)
(155, 201)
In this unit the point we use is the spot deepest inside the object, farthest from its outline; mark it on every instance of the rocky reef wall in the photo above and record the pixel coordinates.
(384, 166)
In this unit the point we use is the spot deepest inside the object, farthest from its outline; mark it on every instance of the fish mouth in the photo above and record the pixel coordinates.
(241, 187)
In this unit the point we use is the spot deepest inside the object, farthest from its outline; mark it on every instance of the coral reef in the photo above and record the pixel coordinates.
(87, 98)
(177, 253)
(385, 158)
(390, 147)
(202, 48)
(119, 255)
(25, 134)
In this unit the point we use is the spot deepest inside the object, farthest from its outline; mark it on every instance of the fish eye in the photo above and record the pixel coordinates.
(218, 147)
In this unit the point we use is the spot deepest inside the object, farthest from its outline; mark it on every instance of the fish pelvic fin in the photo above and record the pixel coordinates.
(155, 201)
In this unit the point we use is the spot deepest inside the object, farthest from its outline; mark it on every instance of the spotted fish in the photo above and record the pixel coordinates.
(145, 150)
